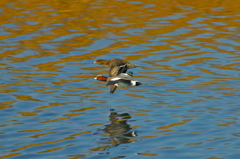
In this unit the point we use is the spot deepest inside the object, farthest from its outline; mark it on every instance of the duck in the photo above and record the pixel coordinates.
(116, 65)
(104, 78)
(121, 80)
(115, 62)
(117, 73)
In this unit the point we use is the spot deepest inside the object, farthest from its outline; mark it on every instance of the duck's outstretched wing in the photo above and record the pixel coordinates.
(116, 70)
(112, 85)
(112, 88)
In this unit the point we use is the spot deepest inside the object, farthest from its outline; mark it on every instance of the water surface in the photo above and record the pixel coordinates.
(51, 107)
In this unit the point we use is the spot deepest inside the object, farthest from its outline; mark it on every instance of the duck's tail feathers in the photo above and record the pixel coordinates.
(131, 65)
(138, 83)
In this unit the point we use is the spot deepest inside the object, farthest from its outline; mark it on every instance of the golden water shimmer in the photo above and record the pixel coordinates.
(51, 107)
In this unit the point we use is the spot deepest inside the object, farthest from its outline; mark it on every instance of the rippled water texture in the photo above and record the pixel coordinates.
(52, 108)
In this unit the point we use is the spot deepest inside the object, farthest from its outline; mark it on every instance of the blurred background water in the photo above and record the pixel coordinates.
(51, 107)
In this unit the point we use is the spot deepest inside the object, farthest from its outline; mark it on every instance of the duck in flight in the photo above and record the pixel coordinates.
(116, 65)
(119, 78)
(118, 75)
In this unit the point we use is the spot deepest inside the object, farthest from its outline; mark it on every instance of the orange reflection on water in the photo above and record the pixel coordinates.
(27, 113)
(11, 155)
(38, 144)
(27, 98)
(175, 124)
(68, 32)
(7, 104)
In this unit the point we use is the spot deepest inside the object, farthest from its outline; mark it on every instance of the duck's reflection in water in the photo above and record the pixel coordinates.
(119, 131)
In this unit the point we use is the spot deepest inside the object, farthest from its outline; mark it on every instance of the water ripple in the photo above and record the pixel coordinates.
(51, 107)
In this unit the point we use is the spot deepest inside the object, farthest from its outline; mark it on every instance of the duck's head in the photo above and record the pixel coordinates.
(100, 62)
(101, 78)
